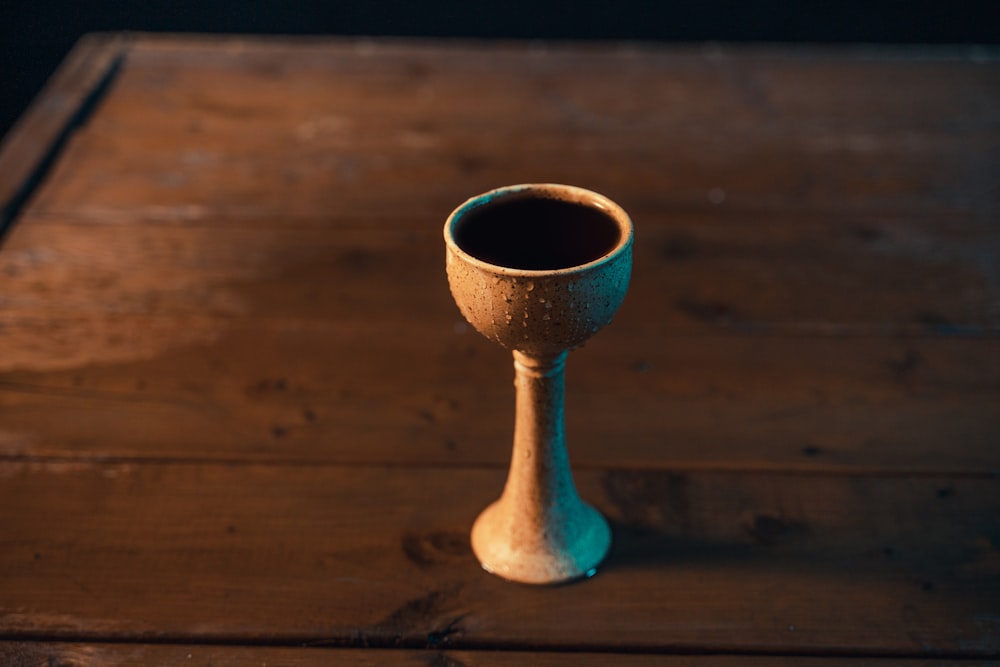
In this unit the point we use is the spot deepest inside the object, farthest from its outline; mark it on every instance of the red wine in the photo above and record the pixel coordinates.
(536, 233)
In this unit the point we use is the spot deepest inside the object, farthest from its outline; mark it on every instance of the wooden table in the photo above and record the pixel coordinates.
(240, 414)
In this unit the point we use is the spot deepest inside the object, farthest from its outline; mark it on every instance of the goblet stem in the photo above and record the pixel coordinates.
(540, 531)
(539, 467)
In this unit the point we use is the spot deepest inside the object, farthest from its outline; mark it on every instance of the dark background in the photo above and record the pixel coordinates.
(36, 34)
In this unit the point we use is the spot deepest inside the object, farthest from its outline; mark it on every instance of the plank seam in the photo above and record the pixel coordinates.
(357, 641)
(845, 471)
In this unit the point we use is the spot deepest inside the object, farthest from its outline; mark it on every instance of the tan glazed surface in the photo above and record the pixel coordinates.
(536, 311)
(540, 531)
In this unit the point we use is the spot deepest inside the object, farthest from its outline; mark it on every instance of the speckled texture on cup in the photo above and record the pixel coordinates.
(540, 312)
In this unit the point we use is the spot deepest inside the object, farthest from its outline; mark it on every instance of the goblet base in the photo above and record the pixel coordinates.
(511, 543)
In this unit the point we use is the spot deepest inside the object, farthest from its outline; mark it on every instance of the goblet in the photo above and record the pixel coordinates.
(539, 268)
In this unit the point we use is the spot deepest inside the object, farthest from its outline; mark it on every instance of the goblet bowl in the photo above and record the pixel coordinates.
(539, 268)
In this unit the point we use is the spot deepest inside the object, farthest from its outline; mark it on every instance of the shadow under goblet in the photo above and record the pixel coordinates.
(539, 269)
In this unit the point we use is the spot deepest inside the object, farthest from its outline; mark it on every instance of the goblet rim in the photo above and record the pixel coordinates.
(555, 191)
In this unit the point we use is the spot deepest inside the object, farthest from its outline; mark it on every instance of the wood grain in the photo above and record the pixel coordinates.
(722, 561)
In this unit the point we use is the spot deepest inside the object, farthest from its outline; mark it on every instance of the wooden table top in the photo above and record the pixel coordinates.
(240, 414)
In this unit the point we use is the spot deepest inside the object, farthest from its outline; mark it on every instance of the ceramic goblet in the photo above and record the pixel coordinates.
(539, 269)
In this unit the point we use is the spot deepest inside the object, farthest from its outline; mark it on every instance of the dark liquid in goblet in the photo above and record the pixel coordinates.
(536, 233)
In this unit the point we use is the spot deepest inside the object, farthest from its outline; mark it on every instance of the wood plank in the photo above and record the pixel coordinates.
(740, 344)
(674, 178)
(141, 655)
(30, 144)
(190, 178)
(300, 391)
(701, 562)
(834, 131)
(780, 274)
(761, 87)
